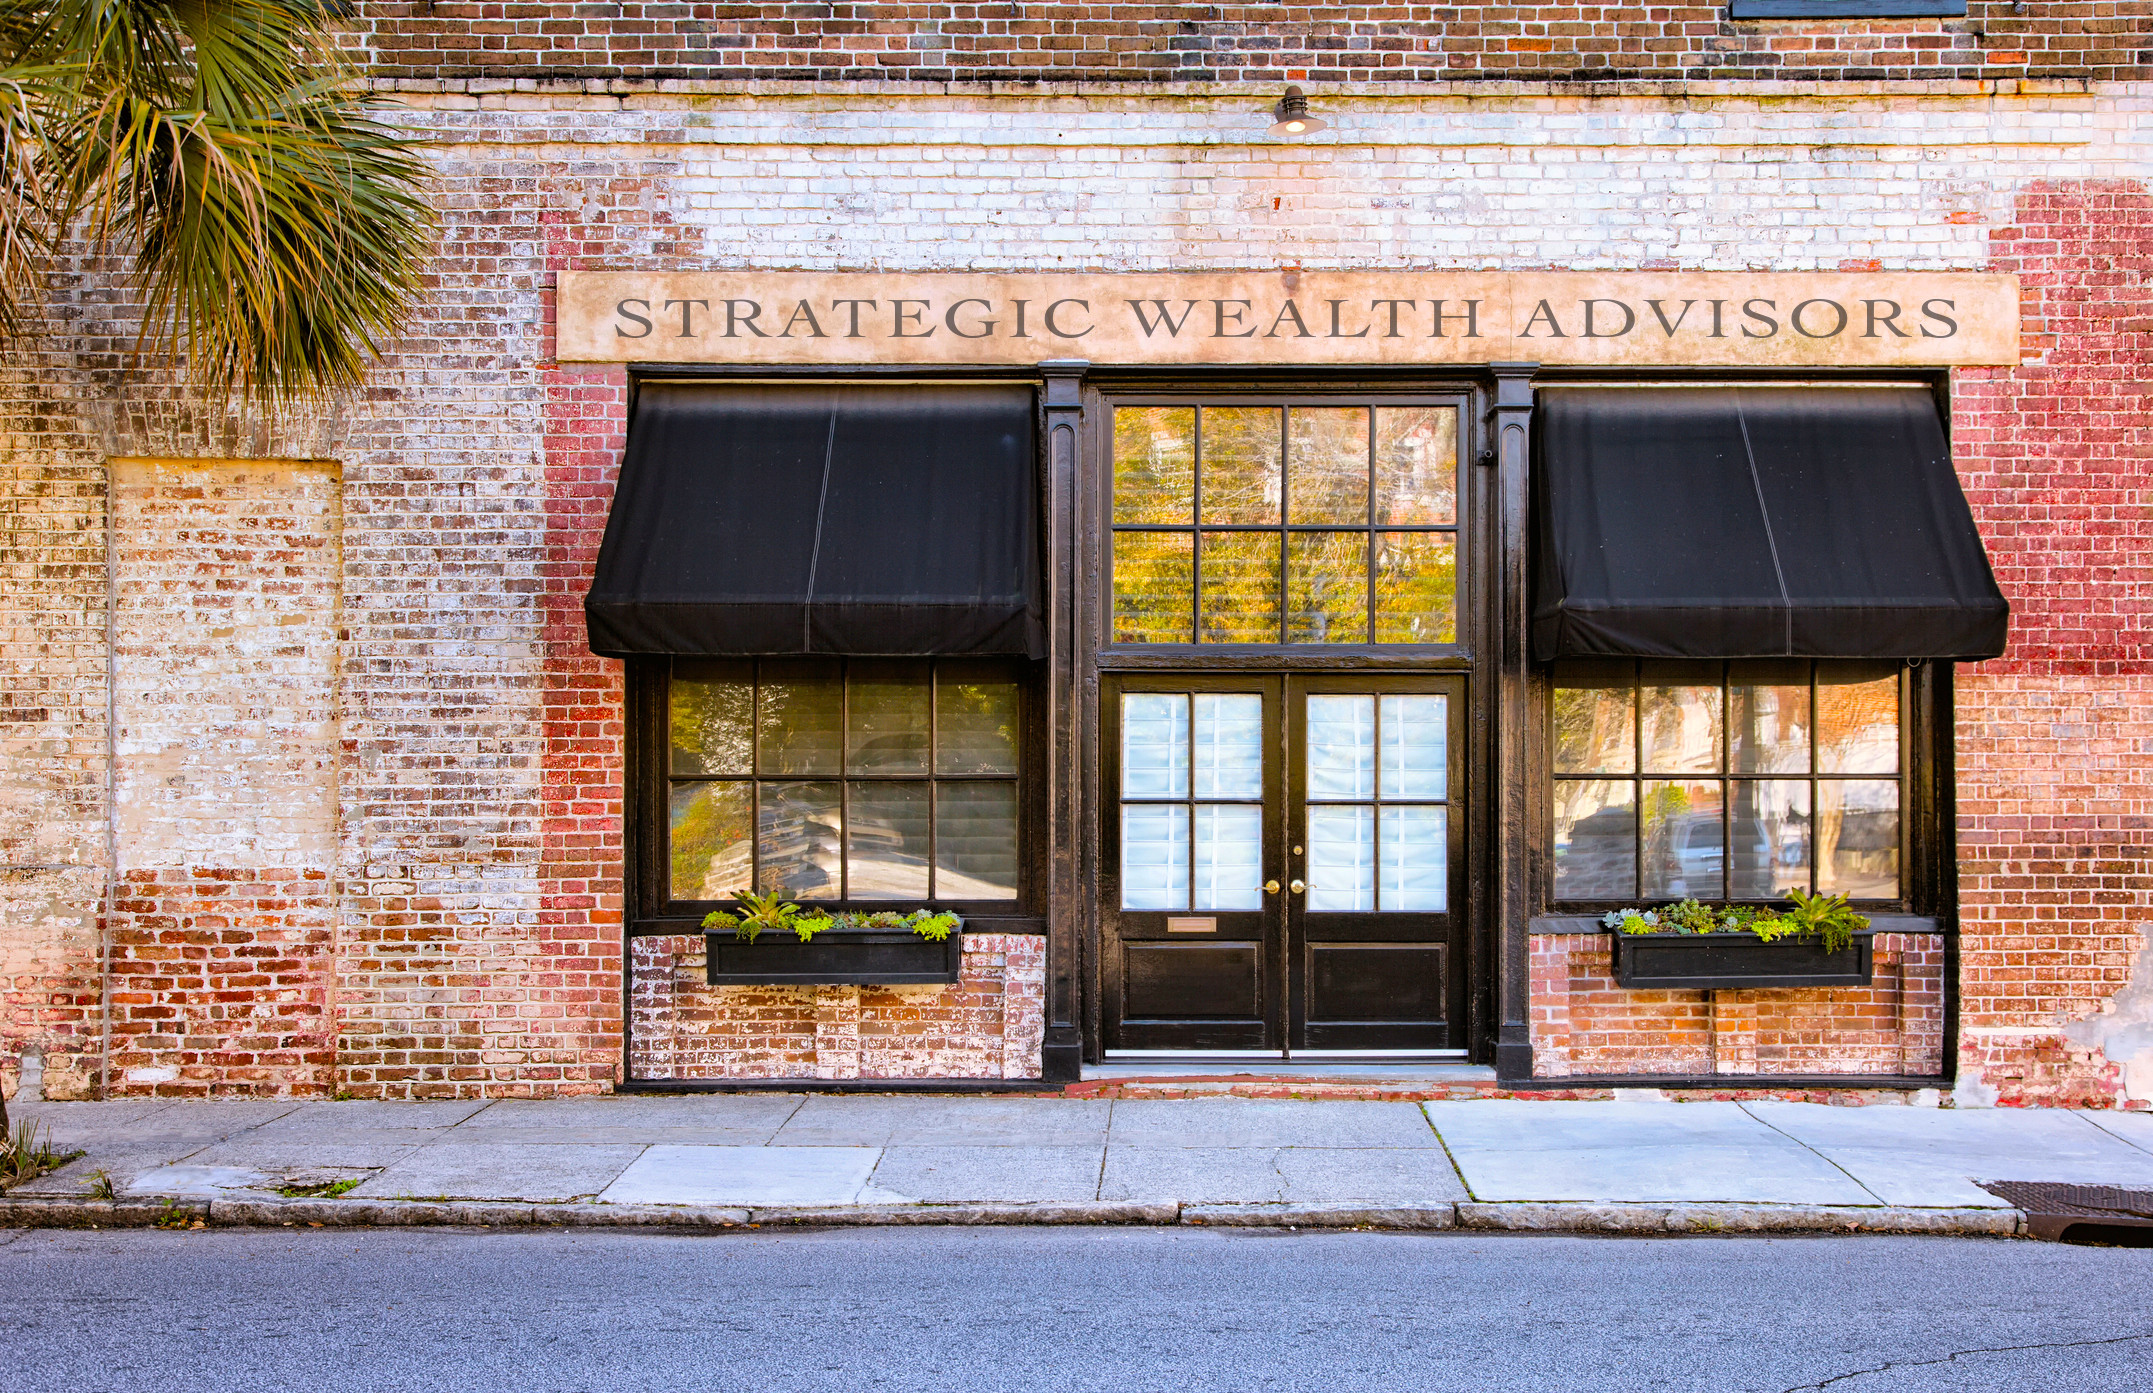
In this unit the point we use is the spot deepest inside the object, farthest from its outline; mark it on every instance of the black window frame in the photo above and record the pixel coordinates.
(1312, 391)
(1926, 805)
(651, 908)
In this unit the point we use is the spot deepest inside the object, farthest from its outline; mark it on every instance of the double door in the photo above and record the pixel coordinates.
(1281, 865)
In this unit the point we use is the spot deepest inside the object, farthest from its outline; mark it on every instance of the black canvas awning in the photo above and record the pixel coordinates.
(1738, 522)
(762, 519)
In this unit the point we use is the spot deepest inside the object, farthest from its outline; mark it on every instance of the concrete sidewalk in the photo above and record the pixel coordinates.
(733, 1159)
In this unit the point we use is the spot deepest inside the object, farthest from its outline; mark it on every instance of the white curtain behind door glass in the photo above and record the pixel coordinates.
(1205, 853)
(1378, 833)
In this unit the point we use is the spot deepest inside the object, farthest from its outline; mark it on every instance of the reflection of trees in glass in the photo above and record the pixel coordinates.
(1240, 589)
(1327, 587)
(1682, 729)
(1242, 465)
(1416, 588)
(1593, 730)
(1154, 587)
(711, 854)
(1154, 464)
(1327, 464)
(1857, 726)
(976, 723)
(1416, 465)
(709, 718)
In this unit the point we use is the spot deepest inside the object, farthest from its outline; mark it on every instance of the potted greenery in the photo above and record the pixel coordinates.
(770, 941)
(1816, 941)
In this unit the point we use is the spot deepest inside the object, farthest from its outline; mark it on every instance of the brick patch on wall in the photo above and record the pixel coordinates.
(1583, 1023)
(989, 1025)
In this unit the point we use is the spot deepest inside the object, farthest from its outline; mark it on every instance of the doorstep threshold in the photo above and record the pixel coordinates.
(1370, 1071)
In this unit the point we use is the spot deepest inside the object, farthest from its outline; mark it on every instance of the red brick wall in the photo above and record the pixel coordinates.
(1040, 40)
(2055, 740)
(1583, 1023)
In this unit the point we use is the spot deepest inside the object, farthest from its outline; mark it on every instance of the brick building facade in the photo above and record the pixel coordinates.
(313, 785)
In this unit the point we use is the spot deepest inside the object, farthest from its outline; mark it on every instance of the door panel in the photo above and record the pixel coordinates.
(1281, 863)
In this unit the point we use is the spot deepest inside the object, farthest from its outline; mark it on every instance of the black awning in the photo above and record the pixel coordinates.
(762, 519)
(1739, 522)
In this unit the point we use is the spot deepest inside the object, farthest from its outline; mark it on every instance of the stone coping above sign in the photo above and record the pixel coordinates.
(1617, 319)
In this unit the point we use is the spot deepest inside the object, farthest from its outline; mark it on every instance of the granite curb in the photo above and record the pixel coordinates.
(1513, 1217)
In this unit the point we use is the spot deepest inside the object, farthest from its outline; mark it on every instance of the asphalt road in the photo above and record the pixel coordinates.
(1067, 1309)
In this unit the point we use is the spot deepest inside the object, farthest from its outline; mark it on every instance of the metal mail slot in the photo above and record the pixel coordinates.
(1192, 926)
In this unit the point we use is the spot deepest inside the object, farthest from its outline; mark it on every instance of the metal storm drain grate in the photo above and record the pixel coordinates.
(2081, 1213)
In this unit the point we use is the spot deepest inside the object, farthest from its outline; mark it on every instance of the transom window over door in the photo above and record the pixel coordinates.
(1285, 523)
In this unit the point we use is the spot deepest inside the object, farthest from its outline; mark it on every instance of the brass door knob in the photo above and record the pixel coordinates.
(1297, 887)
(1270, 887)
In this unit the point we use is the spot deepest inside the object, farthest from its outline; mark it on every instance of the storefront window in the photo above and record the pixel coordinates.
(1285, 524)
(1735, 781)
(843, 780)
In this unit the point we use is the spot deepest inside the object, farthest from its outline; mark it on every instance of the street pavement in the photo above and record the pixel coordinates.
(934, 1309)
(884, 1154)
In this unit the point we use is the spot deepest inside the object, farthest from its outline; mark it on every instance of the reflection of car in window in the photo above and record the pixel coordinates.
(1599, 858)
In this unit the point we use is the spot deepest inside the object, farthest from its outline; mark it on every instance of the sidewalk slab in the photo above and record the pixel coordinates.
(364, 1121)
(866, 1120)
(1259, 1122)
(993, 1174)
(500, 1171)
(1280, 1175)
(1517, 1149)
(195, 1182)
(743, 1175)
(715, 1119)
(2133, 1127)
(1933, 1156)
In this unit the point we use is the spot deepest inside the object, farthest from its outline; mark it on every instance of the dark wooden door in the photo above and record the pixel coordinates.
(1280, 864)
(1374, 864)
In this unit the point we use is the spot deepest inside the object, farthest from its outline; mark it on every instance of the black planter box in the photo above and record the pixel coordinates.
(844, 957)
(1707, 962)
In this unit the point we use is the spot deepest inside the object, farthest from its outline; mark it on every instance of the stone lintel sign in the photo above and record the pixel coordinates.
(1597, 318)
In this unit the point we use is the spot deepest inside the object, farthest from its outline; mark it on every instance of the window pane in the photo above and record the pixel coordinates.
(1327, 465)
(1229, 745)
(975, 712)
(1684, 842)
(975, 841)
(1415, 871)
(1341, 746)
(712, 840)
(1155, 856)
(797, 833)
(1595, 719)
(1857, 720)
(1768, 718)
(1768, 821)
(1341, 860)
(1155, 464)
(1416, 465)
(1595, 839)
(1327, 587)
(1416, 746)
(1858, 838)
(886, 841)
(712, 717)
(1154, 745)
(1228, 862)
(1154, 587)
(887, 719)
(1240, 596)
(1416, 587)
(799, 724)
(1243, 472)
(1682, 727)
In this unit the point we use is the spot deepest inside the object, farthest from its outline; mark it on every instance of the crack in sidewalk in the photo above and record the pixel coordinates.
(1958, 1354)
(1771, 1126)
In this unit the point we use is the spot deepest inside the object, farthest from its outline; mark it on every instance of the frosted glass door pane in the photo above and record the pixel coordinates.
(1415, 870)
(1341, 747)
(1229, 746)
(1415, 746)
(1155, 856)
(1341, 859)
(1154, 745)
(1229, 857)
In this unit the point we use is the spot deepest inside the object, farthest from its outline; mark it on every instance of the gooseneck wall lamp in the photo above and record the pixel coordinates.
(1291, 116)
